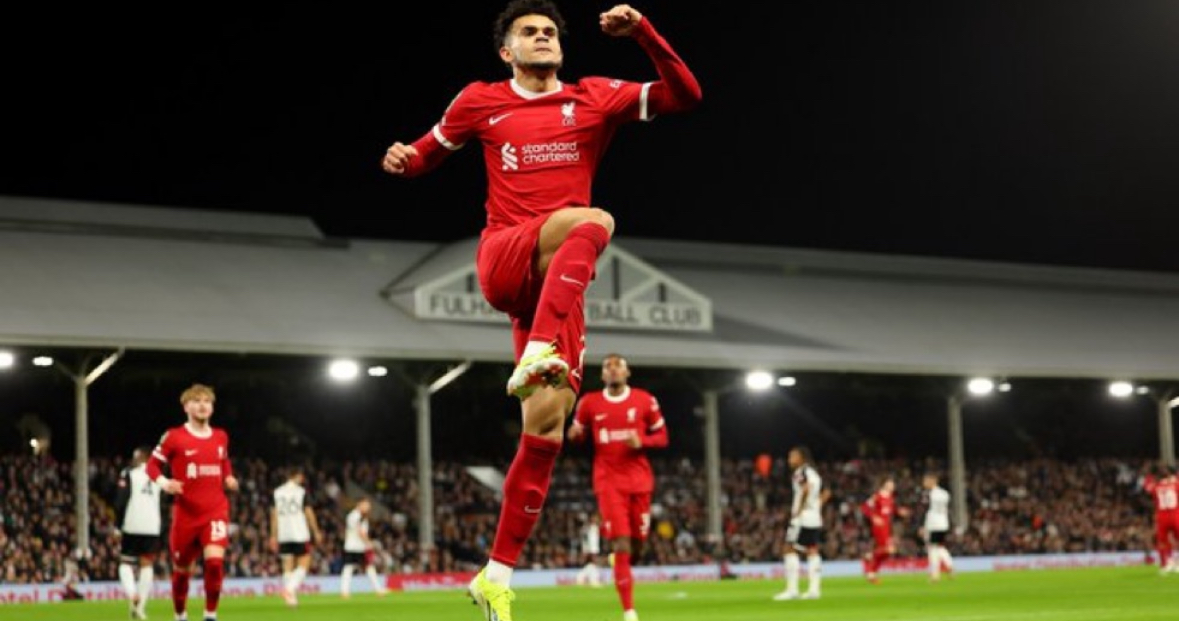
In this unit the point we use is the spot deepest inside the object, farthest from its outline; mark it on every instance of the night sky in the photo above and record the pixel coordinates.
(1028, 131)
(1009, 130)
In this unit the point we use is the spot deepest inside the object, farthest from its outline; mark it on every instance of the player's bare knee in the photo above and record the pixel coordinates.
(549, 427)
(603, 218)
(546, 422)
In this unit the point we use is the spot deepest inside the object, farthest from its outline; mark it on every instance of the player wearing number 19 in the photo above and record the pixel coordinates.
(197, 457)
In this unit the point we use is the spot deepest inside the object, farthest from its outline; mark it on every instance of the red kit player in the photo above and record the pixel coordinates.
(622, 422)
(880, 509)
(196, 455)
(541, 140)
(1165, 493)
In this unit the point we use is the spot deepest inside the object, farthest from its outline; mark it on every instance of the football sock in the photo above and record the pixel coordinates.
(624, 580)
(373, 578)
(525, 488)
(567, 278)
(179, 591)
(296, 579)
(147, 576)
(498, 573)
(814, 569)
(127, 579)
(346, 579)
(792, 573)
(214, 575)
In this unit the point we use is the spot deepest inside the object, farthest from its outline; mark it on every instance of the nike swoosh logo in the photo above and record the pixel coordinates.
(572, 280)
(599, 416)
(532, 510)
(190, 453)
(496, 119)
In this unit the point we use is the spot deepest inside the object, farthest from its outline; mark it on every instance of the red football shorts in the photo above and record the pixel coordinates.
(625, 514)
(882, 537)
(504, 261)
(189, 536)
(1166, 525)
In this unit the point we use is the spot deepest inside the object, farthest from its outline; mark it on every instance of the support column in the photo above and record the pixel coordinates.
(960, 517)
(712, 468)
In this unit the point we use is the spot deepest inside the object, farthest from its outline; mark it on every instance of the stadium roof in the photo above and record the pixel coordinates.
(86, 275)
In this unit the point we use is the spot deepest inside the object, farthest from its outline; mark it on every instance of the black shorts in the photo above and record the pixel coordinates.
(801, 538)
(135, 546)
(936, 537)
(294, 548)
(360, 559)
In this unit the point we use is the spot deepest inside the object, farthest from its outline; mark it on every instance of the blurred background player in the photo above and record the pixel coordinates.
(140, 523)
(936, 527)
(358, 549)
(591, 551)
(1164, 491)
(880, 509)
(622, 422)
(805, 529)
(292, 528)
(197, 455)
(74, 572)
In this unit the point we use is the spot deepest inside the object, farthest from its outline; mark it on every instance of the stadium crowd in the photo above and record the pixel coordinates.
(1024, 507)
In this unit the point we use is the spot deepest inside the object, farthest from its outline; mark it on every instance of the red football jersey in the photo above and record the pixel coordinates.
(540, 150)
(882, 506)
(201, 463)
(1165, 493)
(608, 422)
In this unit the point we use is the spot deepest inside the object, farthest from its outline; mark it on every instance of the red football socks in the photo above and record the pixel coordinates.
(214, 576)
(568, 276)
(525, 488)
(179, 591)
(624, 581)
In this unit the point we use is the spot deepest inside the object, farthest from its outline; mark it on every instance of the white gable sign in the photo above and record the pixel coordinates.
(626, 293)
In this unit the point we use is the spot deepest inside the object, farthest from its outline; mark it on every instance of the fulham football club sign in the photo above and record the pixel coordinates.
(625, 294)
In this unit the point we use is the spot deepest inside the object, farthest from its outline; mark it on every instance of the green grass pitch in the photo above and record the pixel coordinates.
(1105, 594)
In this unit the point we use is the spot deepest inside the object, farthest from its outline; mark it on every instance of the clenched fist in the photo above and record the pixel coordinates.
(620, 21)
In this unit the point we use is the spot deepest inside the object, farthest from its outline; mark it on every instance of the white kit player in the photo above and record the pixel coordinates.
(805, 528)
(140, 526)
(358, 549)
(936, 527)
(292, 528)
(591, 551)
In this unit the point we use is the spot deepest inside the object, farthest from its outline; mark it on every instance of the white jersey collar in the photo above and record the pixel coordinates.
(617, 399)
(527, 94)
(207, 433)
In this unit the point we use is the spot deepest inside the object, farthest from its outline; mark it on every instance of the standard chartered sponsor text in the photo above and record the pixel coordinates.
(550, 152)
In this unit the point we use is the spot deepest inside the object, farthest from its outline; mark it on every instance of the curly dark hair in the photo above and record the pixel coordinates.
(519, 8)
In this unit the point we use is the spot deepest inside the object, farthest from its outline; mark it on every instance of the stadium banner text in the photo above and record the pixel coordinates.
(52, 593)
